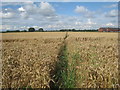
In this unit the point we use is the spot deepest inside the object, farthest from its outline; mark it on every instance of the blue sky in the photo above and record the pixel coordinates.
(58, 15)
(67, 8)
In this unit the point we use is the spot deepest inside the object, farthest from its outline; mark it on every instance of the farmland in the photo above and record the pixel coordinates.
(60, 59)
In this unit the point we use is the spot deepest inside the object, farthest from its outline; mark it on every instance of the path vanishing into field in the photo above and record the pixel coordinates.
(61, 73)
(60, 60)
(85, 61)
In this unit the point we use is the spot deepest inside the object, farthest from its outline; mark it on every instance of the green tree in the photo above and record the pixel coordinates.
(73, 29)
(24, 30)
(40, 30)
(31, 29)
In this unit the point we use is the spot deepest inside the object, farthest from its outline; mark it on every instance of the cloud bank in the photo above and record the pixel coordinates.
(45, 15)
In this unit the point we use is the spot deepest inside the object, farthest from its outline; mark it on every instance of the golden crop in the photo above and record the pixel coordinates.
(96, 57)
(29, 59)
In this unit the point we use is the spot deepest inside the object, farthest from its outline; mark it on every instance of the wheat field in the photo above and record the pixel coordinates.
(29, 59)
(95, 60)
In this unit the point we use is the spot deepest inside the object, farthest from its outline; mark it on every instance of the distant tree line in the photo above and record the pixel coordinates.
(85, 30)
(31, 29)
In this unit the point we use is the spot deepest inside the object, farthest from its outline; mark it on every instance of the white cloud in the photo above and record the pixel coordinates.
(112, 13)
(81, 9)
(77, 23)
(6, 27)
(46, 5)
(9, 13)
(36, 27)
(90, 22)
(44, 15)
(109, 24)
(21, 9)
(90, 14)
(6, 9)
(29, 14)
(24, 15)
(6, 15)
(44, 9)
(30, 8)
